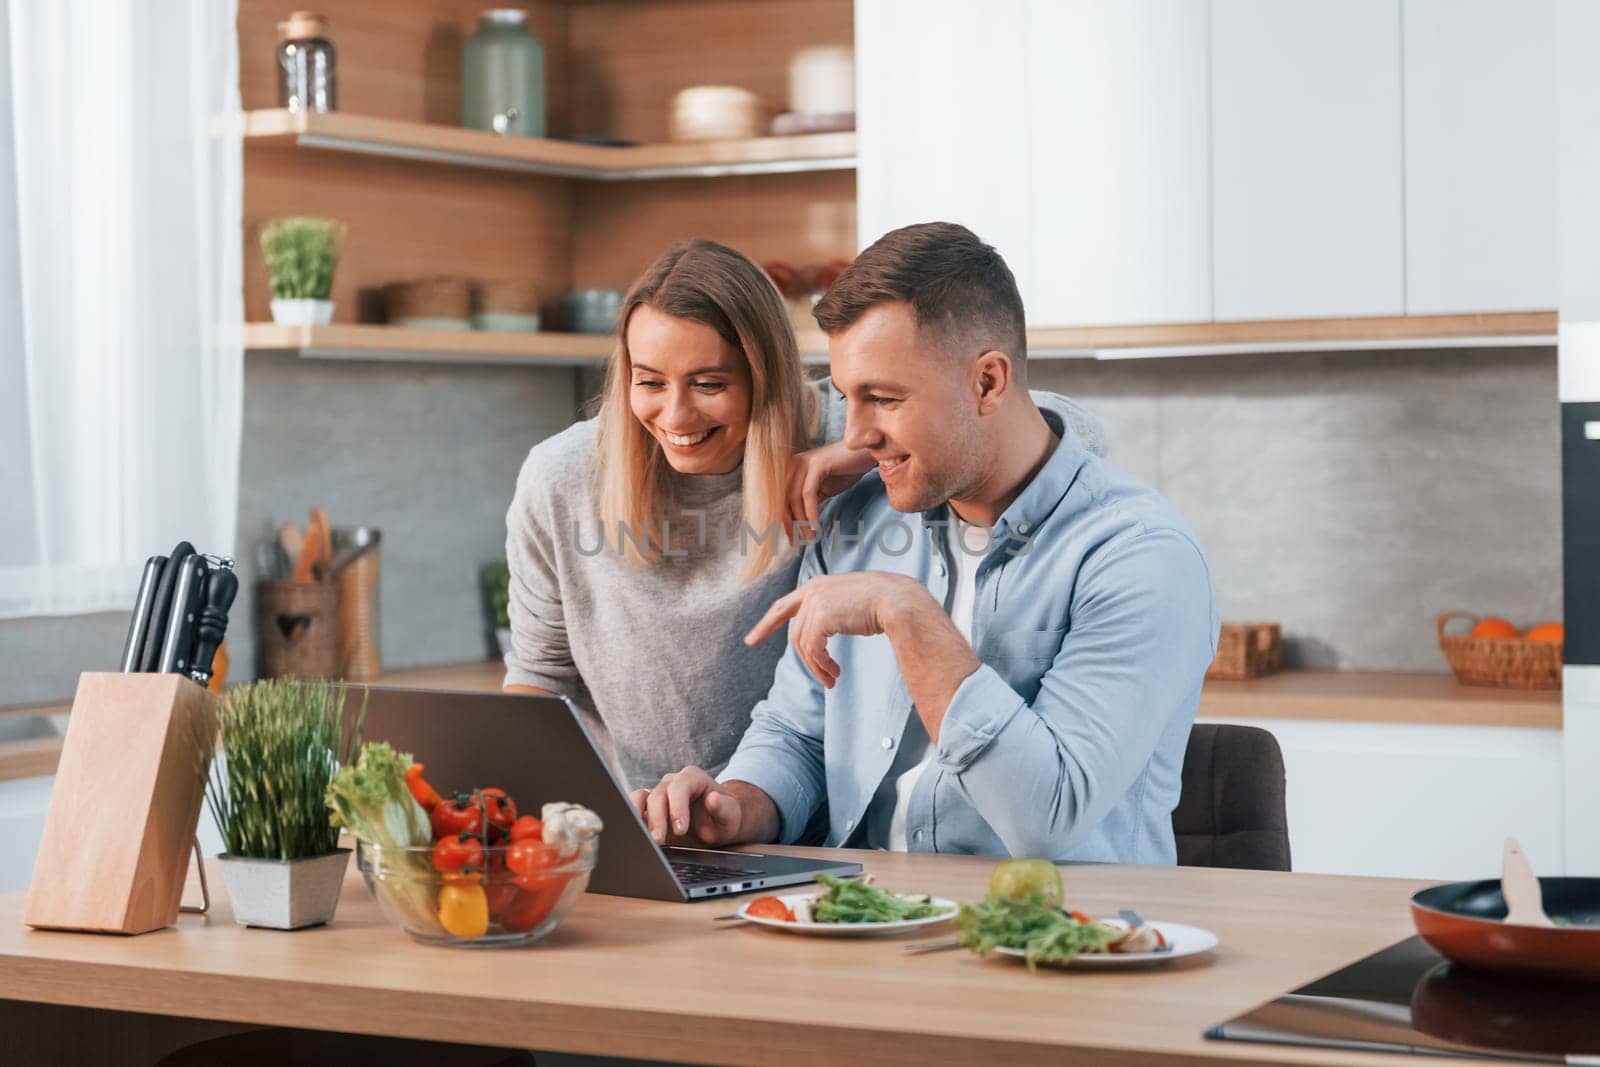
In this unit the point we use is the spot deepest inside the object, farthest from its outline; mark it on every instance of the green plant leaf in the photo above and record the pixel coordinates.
(301, 254)
(281, 742)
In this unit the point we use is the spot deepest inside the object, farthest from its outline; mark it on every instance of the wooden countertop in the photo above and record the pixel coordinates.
(666, 982)
(1333, 696)
(1374, 696)
(1328, 696)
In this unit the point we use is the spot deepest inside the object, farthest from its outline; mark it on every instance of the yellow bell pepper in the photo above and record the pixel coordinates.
(464, 910)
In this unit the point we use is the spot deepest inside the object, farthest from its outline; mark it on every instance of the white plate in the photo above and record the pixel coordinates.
(846, 929)
(1183, 941)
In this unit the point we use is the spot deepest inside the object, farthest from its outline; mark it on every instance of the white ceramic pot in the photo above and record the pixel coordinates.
(285, 894)
(302, 312)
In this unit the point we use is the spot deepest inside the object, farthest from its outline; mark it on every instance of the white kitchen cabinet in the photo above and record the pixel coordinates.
(1417, 801)
(1481, 144)
(1306, 159)
(942, 113)
(1120, 150)
(23, 804)
(1580, 715)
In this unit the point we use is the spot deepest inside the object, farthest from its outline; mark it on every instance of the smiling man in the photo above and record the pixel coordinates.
(998, 642)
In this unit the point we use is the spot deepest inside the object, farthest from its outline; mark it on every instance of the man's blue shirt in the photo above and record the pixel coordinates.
(1094, 620)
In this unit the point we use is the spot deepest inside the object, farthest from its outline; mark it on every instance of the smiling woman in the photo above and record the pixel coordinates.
(707, 379)
(644, 543)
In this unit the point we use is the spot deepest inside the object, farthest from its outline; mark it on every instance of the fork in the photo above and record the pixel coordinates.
(1131, 917)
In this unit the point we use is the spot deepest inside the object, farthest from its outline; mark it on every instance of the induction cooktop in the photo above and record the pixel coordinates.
(1408, 998)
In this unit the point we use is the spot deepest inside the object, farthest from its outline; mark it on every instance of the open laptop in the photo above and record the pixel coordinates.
(536, 749)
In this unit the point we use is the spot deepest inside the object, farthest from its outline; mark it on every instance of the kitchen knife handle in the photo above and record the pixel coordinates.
(175, 648)
(140, 622)
(221, 586)
(160, 607)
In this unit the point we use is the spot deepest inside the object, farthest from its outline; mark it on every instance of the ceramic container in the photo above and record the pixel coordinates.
(303, 312)
(592, 310)
(285, 894)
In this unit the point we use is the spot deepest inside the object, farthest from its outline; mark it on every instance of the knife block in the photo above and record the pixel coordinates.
(124, 806)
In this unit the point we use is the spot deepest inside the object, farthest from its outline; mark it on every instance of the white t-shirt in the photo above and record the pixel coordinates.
(959, 601)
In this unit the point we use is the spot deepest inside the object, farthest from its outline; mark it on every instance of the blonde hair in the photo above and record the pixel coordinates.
(709, 283)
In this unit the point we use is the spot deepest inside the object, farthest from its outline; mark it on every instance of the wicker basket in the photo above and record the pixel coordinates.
(1503, 662)
(1247, 650)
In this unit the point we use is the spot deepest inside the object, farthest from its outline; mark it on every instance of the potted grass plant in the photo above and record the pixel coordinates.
(301, 255)
(280, 743)
(496, 580)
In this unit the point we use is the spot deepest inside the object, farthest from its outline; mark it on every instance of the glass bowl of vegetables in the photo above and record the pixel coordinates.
(457, 892)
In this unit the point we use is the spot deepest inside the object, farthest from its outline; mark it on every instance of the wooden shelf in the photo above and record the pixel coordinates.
(1379, 696)
(398, 344)
(455, 146)
(395, 343)
(345, 341)
(1498, 329)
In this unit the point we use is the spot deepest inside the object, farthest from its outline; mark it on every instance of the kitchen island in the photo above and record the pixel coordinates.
(660, 981)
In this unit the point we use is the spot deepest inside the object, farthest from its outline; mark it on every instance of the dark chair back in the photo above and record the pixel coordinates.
(1231, 812)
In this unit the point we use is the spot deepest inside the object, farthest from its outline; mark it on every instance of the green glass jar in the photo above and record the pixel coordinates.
(502, 76)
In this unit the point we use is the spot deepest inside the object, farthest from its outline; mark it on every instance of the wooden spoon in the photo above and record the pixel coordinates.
(290, 540)
(312, 551)
(324, 557)
(1524, 898)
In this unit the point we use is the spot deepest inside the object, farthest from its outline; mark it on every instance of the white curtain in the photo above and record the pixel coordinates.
(121, 372)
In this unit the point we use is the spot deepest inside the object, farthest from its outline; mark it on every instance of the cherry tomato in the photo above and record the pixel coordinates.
(528, 860)
(455, 816)
(1081, 917)
(425, 794)
(464, 910)
(533, 905)
(497, 885)
(769, 908)
(462, 854)
(527, 828)
(499, 808)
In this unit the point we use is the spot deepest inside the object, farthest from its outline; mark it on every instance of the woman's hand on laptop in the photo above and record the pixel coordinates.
(693, 808)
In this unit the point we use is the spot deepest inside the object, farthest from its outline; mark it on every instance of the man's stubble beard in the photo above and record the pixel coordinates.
(959, 482)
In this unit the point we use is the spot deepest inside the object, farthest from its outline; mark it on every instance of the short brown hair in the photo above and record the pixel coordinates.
(957, 286)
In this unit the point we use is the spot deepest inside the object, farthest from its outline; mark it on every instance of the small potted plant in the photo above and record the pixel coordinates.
(280, 743)
(301, 255)
(496, 578)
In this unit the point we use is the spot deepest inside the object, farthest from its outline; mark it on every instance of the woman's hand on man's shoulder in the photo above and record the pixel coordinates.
(815, 475)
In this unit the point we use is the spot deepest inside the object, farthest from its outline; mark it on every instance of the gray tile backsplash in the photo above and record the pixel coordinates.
(1351, 496)
(428, 453)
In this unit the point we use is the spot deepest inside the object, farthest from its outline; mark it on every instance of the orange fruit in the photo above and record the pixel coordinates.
(1496, 628)
(1552, 632)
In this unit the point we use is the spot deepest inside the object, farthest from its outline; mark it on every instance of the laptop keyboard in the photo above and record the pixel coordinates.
(700, 873)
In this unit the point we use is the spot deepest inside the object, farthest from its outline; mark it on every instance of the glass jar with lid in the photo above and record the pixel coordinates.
(502, 74)
(307, 64)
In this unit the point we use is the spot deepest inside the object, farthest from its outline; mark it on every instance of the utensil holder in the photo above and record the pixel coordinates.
(298, 628)
(358, 603)
(123, 810)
